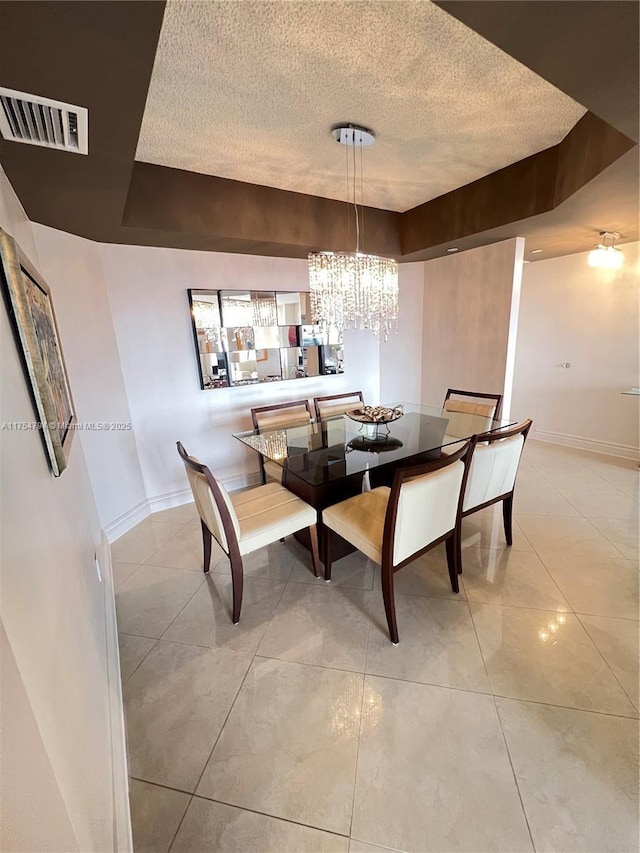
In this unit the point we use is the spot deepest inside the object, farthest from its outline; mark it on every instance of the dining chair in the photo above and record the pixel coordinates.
(393, 526)
(493, 466)
(484, 407)
(337, 404)
(472, 403)
(279, 415)
(244, 522)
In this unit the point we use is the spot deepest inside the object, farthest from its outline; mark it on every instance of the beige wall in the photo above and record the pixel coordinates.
(55, 614)
(572, 313)
(72, 267)
(470, 313)
(400, 362)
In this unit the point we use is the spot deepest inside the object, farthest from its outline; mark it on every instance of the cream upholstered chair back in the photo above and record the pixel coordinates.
(494, 466)
(473, 414)
(203, 484)
(282, 415)
(427, 509)
(337, 404)
(274, 417)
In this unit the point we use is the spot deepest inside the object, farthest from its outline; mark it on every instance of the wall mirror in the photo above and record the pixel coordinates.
(245, 337)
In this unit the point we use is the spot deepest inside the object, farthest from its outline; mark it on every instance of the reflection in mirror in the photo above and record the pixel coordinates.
(241, 338)
(243, 367)
(288, 308)
(206, 311)
(312, 336)
(264, 308)
(294, 309)
(209, 340)
(269, 365)
(236, 308)
(292, 361)
(312, 361)
(248, 308)
(213, 368)
(331, 360)
(267, 336)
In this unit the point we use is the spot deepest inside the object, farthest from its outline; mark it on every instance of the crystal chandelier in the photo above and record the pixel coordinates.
(605, 255)
(351, 289)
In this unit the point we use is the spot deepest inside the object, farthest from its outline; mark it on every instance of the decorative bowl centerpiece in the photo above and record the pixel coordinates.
(374, 417)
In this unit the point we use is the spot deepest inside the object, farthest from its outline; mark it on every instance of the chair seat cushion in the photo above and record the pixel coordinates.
(268, 513)
(360, 520)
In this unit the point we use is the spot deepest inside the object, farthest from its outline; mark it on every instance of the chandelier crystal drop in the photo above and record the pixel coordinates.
(352, 289)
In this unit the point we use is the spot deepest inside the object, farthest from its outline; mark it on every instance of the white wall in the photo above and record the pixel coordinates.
(148, 295)
(401, 354)
(72, 267)
(55, 688)
(587, 317)
(471, 303)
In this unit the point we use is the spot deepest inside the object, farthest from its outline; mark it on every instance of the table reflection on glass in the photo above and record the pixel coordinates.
(325, 462)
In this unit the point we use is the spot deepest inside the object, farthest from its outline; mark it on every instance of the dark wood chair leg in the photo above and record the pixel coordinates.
(315, 551)
(507, 515)
(326, 542)
(457, 539)
(452, 561)
(206, 546)
(389, 603)
(237, 583)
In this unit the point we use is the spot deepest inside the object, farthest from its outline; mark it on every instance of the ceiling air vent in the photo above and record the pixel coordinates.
(41, 121)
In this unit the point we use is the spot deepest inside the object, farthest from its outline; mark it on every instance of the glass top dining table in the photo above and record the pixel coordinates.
(322, 452)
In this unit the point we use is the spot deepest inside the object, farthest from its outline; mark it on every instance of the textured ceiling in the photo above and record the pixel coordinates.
(248, 90)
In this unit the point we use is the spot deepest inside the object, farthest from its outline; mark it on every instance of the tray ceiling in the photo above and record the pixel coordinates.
(248, 90)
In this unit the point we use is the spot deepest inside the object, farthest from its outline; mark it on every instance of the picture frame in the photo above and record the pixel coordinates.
(30, 306)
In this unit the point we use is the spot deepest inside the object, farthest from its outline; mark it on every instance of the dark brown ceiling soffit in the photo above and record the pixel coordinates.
(523, 190)
(98, 55)
(586, 48)
(181, 206)
(187, 204)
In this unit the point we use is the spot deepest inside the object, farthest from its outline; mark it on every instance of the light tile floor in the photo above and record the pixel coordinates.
(505, 720)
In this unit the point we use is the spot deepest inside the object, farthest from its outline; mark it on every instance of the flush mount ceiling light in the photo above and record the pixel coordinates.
(605, 255)
(351, 289)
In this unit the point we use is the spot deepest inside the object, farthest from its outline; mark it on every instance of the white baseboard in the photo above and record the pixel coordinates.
(126, 521)
(608, 448)
(122, 836)
(169, 500)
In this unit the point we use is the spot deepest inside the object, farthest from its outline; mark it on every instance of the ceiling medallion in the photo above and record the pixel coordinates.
(352, 290)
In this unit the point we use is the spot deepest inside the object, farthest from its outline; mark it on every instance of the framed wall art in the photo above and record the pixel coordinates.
(29, 303)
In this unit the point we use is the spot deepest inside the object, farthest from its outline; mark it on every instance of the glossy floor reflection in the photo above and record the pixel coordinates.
(505, 720)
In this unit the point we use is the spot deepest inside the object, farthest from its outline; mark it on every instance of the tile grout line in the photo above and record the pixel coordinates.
(608, 665)
(513, 771)
(268, 815)
(175, 834)
(355, 771)
(495, 705)
(233, 702)
(139, 664)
